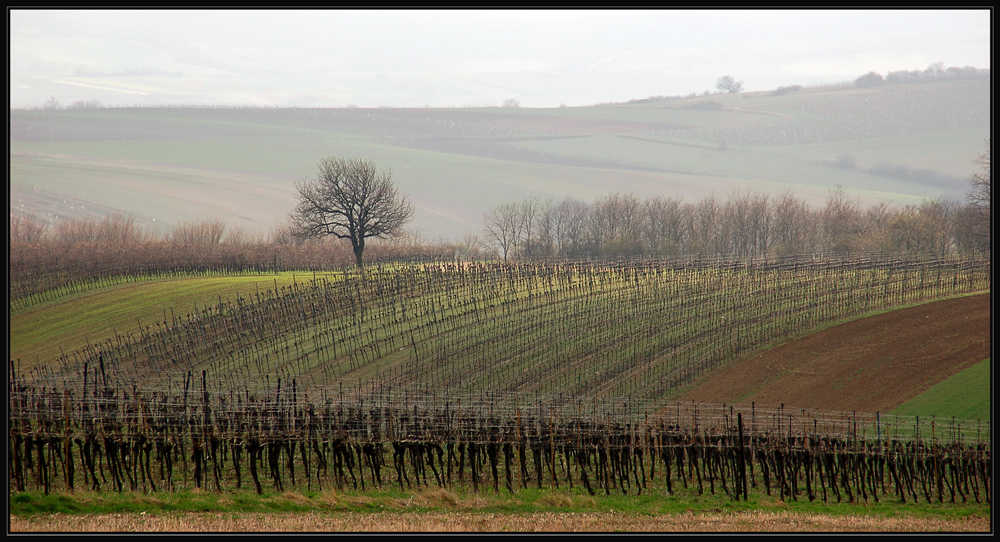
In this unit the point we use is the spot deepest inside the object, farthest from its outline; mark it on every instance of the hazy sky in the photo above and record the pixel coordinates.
(457, 58)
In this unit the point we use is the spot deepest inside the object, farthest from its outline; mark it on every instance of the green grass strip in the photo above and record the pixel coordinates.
(965, 395)
(523, 501)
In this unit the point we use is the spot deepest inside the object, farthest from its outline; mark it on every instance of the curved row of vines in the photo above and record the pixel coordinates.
(641, 330)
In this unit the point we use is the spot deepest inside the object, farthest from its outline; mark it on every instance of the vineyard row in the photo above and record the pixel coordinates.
(113, 440)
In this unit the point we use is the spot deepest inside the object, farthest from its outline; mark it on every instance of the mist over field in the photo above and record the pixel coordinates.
(471, 109)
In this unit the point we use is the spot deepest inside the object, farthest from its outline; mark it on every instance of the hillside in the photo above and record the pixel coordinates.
(571, 368)
(867, 365)
(895, 143)
(644, 330)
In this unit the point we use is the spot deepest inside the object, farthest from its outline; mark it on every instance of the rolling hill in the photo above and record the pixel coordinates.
(643, 330)
(894, 143)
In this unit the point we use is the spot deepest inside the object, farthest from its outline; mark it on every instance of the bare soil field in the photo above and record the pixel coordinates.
(872, 364)
(753, 521)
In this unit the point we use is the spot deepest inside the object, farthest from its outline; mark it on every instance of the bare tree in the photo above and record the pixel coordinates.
(873, 228)
(795, 226)
(284, 233)
(27, 228)
(923, 229)
(938, 216)
(728, 84)
(503, 226)
(904, 230)
(205, 232)
(544, 229)
(118, 227)
(81, 230)
(617, 224)
(351, 199)
(706, 233)
(982, 180)
(965, 226)
(663, 228)
(571, 223)
(737, 232)
(841, 219)
(529, 210)
(122, 228)
(237, 235)
(761, 223)
(469, 249)
(979, 199)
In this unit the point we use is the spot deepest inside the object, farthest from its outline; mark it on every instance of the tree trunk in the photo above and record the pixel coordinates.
(359, 248)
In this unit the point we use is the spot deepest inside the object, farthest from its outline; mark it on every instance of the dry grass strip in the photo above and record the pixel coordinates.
(755, 521)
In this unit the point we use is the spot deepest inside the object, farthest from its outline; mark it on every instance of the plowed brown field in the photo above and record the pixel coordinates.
(871, 364)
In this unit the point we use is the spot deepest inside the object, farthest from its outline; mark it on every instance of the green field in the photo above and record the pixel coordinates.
(965, 395)
(39, 333)
(171, 164)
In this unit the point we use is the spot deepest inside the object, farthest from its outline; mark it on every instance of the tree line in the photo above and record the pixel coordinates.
(746, 225)
(936, 70)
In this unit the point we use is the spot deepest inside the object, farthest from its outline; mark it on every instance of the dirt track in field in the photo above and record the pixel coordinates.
(872, 364)
(755, 521)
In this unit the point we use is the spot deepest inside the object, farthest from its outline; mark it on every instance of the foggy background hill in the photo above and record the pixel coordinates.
(179, 115)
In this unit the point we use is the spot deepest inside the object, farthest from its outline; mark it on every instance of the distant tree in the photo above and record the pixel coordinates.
(795, 227)
(117, 228)
(981, 180)
(935, 70)
(284, 233)
(27, 228)
(979, 199)
(469, 248)
(841, 220)
(52, 103)
(237, 235)
(89, 104)
(351, 199)
(503, 226)
(544, 228)
(205, 232)
(902, 76)
(663, 227)
(570, 223)
(511, 102)
(616, 225)
(781, 91)
(922, 229)
(728, 84)
(530, 209)
(870, 79)
(705, 218)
